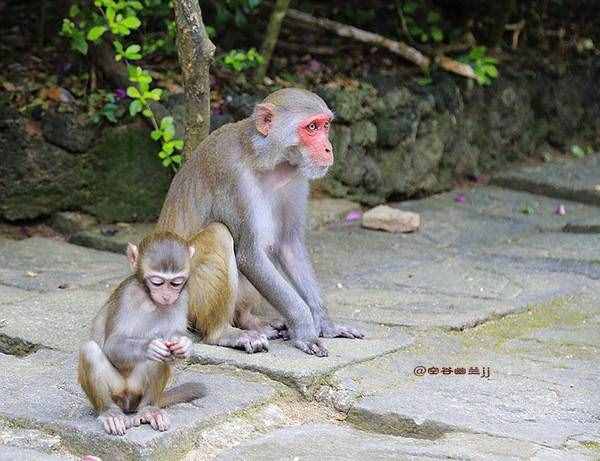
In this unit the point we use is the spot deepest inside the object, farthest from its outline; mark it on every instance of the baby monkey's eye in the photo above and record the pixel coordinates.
(156, 281)
(178, 282)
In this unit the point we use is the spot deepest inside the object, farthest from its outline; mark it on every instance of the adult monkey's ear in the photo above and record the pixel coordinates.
(263, 117)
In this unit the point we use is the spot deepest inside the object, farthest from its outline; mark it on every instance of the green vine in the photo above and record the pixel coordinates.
(120, 18)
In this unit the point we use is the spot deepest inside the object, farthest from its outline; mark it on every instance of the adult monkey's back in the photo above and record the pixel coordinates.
(252, 176)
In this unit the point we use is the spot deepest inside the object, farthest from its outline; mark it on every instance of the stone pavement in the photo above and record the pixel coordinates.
(482, 342)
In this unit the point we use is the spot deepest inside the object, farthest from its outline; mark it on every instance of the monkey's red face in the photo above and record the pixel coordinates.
(313, 135)
(165, 292)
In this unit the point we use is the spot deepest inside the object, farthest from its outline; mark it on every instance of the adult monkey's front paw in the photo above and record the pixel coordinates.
(331, 330)
(311, 346)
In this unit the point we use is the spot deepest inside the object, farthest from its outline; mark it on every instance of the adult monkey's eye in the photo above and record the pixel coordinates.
(312, 126)
(326, 125)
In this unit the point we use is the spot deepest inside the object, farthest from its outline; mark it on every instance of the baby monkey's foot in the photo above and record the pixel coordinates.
(115, 422)
(157, 418)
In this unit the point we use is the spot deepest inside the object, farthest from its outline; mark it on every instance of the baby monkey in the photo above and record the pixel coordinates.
(137, 335)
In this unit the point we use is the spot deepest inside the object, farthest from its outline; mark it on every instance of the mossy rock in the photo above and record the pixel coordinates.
(351, 104)
(36, 178)
(129, 183)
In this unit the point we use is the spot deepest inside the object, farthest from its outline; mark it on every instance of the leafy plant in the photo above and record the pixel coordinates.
(120, 18)
(109, 107)
(484, 66)
(234, 12)
(425, 29)
(580, 152)
(239, 60)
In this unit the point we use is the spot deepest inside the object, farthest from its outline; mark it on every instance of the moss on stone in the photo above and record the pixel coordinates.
(129, 182)
(497, 332)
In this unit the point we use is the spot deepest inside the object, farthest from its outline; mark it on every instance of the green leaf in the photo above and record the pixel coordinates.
(177, 159)
(178, 144)
(527, 209)
(477, 53)
(162, 154)
(73, 10)
(136, 5)
(118, 46)
(95, 33)
(154, 95)
(110, 15)
(78, 43)
(167, 161)
(156, 134)
(491, 71)
(433, 16)
(577, 151)
(166, 122)
(488, 60)
(133, 92)
(147, 113)
(131, 22)
(168, 134)
(133, 52)
(436, 34)
(168, 147)
(409, 7)
(135, 107)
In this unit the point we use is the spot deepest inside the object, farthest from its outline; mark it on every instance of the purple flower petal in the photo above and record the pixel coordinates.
(120, 93)
(354, 215)
(560, 210)
(460, 198)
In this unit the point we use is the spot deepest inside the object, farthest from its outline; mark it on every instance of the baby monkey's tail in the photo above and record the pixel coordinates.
(183, 393)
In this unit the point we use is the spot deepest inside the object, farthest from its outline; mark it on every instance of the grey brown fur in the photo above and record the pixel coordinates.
(257, 186)
(126, 365)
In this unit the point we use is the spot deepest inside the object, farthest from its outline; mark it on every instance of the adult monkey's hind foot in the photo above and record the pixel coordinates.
(252, 176)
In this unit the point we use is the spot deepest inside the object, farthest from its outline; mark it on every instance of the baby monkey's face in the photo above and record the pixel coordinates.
(164, 289)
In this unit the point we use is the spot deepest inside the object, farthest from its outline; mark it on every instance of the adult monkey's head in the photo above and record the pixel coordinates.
(294, 123)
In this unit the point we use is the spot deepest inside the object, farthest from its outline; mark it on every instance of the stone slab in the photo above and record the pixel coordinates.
(552, 245)
(481, 216)
(11, 294)
(334, 442)
(455, 293)
(10, 453)
(540, 388)
(321, 213)
(287, 364)
(44, 264)
(41, 392)
(59, 320)
(97, 237)
(325, 211)
(572, 180)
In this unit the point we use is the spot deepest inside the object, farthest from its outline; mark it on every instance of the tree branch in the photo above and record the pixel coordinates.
(343, 30)
(196, 53)
(271, 36)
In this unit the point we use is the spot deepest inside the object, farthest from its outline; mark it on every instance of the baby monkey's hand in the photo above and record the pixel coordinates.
(180, 347)
(158, 350)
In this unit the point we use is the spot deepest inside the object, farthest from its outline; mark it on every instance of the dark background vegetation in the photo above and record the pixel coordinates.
(68, 141)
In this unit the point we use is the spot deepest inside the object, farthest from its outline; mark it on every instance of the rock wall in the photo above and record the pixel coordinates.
(70, 165)
(403, 140)
(392, 140)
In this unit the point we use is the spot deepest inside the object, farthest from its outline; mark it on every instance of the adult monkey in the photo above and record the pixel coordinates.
(252, 176)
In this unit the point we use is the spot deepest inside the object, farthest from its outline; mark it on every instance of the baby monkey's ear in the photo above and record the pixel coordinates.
(132, 256)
